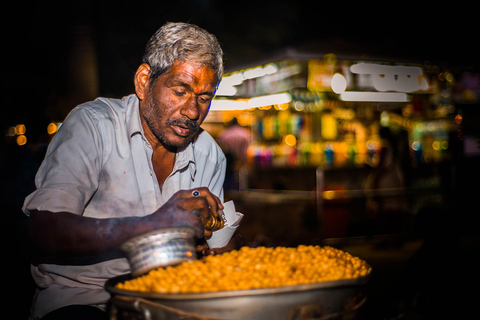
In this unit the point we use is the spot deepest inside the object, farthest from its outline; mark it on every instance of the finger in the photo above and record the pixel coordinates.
(214, 251)
(213, 201)
(226, 248)
(215, 204)
(207, 233)
(201, 247)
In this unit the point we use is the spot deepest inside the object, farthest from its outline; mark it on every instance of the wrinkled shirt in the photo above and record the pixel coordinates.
(99, 164)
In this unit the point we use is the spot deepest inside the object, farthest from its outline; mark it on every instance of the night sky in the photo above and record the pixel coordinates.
(39, 41)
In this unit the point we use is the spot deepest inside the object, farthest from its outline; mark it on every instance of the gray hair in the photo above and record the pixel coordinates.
(182, 42)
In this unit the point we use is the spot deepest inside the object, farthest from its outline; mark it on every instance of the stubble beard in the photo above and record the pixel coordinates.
(154, 119)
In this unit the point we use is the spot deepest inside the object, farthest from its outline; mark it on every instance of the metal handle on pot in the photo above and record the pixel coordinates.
(316, 310)
(129, 304)
(149, 309)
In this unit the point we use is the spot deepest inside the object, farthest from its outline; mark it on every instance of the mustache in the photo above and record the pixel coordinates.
(190, 124)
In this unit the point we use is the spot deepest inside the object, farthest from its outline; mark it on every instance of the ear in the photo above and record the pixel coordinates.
(142, 77)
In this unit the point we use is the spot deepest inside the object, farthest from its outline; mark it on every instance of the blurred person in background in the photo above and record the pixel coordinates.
(120, 168)
(234, 141)
(388, 212)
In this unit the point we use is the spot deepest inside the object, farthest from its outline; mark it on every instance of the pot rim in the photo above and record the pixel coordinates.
(325, 285)
(164, 234)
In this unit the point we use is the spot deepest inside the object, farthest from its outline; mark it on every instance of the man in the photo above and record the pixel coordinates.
(120, 168)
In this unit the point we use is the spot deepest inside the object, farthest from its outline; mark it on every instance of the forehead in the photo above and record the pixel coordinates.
(201, 77)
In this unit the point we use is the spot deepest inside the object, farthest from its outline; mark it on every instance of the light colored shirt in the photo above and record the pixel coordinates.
(99, 164)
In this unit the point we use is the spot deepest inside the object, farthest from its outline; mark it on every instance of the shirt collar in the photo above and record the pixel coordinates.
(185, 158)
(134, 124)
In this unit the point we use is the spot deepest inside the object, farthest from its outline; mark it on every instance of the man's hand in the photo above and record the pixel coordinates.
(214, 203)
(188, 208)
(235, 243)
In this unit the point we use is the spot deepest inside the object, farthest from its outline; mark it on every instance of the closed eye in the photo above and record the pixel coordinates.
(205, 99)
(179, 93)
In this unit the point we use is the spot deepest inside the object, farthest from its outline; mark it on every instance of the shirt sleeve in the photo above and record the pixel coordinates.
(68, 176)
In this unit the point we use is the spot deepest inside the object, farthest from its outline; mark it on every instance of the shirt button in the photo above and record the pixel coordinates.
(151, 172)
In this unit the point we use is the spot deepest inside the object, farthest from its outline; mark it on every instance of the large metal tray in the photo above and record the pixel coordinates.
(332, 300)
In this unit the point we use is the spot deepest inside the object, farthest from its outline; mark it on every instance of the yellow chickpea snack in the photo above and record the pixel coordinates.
(252, 268)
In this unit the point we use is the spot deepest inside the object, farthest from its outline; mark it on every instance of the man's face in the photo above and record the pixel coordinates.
(178, 102)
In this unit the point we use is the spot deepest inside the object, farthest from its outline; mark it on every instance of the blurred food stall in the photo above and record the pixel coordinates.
(338, 146)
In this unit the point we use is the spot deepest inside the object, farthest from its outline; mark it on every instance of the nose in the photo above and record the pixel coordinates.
(191, 108)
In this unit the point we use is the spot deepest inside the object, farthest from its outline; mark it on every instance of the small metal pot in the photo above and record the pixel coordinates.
(159, 248)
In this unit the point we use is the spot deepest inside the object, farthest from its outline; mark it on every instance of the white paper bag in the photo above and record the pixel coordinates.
(221, 238)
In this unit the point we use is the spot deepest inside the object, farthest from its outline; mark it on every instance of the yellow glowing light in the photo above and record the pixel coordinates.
(21, 140)
(329, 195)
(316, 147)
(20, 129)
(436, 145)
(290, 140)
(280, 107)
(52, 128)
(329, 127)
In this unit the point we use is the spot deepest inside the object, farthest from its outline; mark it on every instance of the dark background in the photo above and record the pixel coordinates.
(39, 39)
(40, 50)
